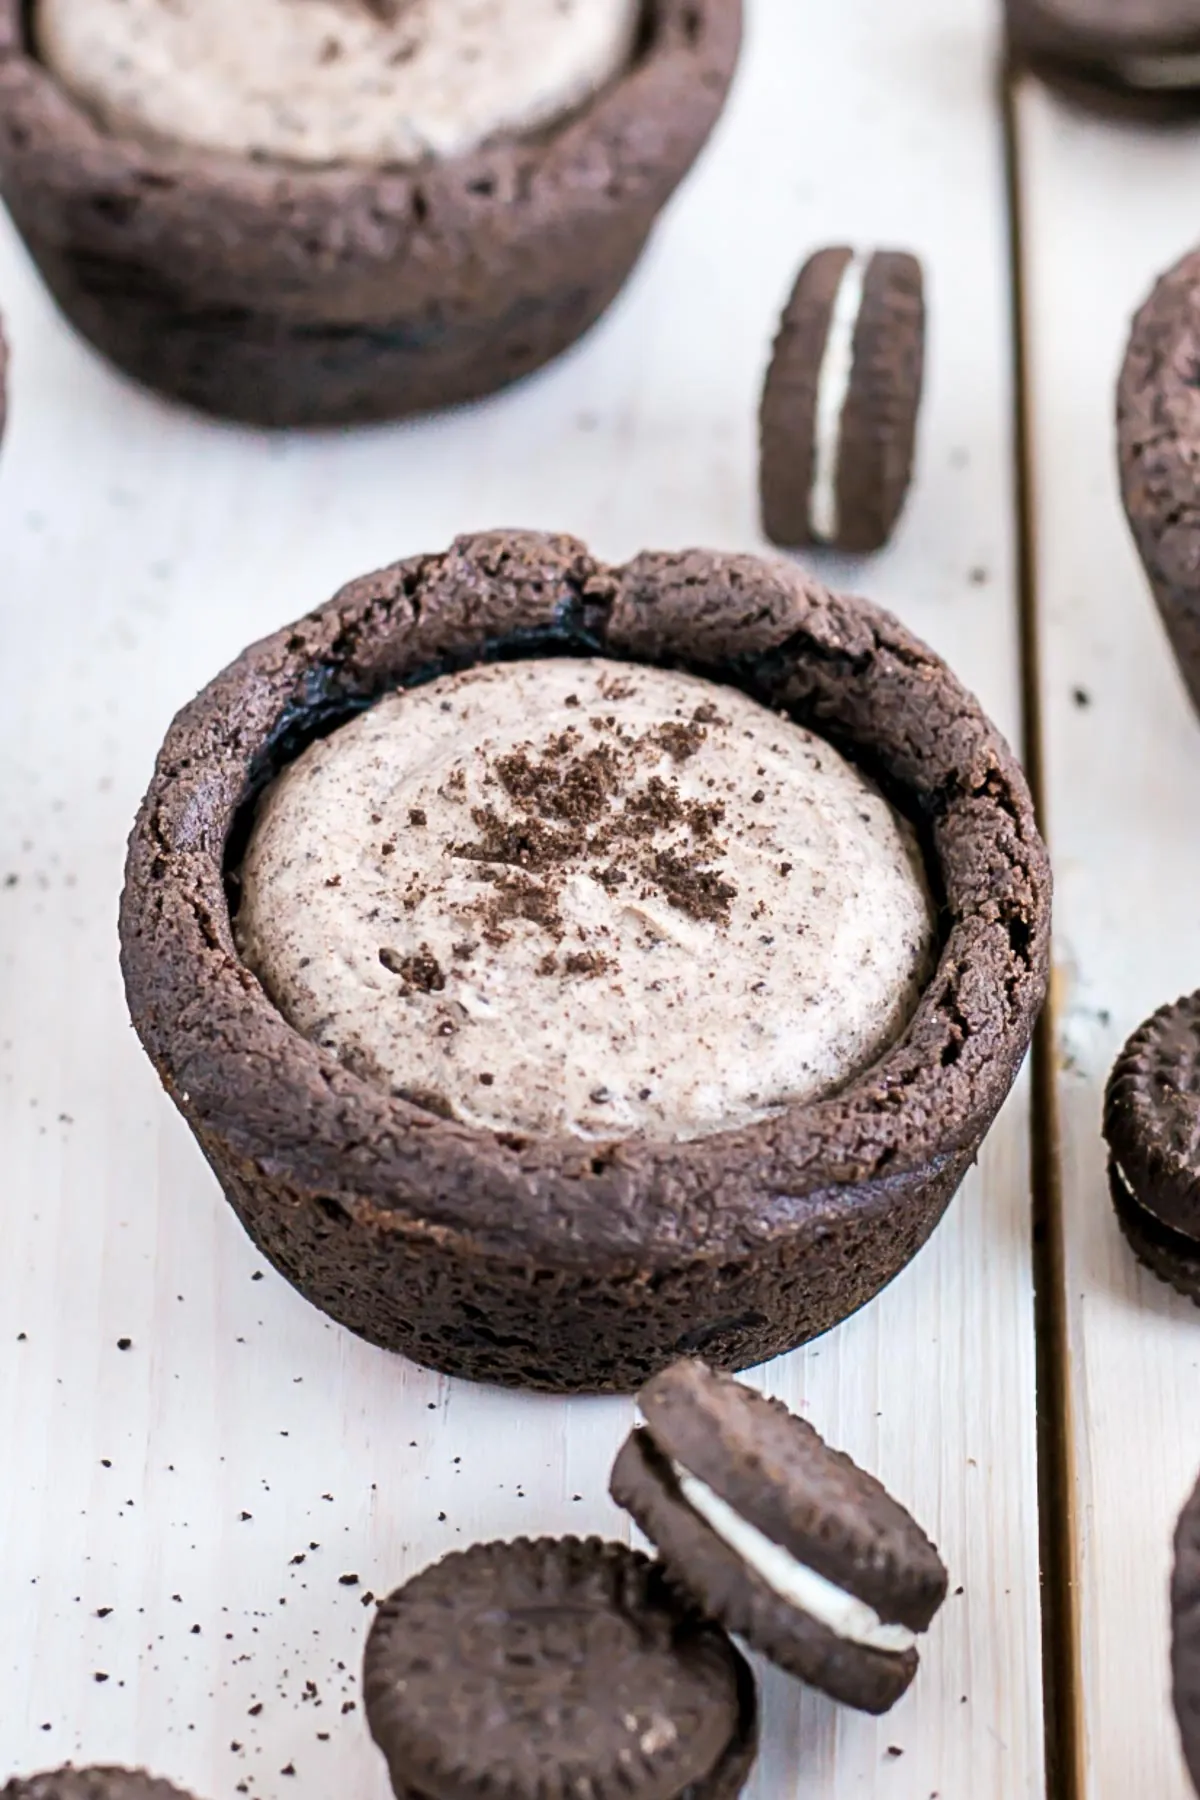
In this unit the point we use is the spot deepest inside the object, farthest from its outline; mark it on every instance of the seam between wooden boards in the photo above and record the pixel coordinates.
(1057, 1520)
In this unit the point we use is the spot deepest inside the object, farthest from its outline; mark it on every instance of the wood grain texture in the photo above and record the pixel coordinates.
(141, 549)
(1104, 210)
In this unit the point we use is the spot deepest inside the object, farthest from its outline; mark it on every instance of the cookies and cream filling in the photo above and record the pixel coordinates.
(833, 390)
(578, 896)
(843, 1614)
(334, 81)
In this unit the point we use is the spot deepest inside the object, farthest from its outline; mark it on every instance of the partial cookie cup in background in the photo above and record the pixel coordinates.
(1158, 438)
(558, 1263)
(282, 296)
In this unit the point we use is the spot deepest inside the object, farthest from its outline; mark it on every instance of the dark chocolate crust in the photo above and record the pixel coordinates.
(732, 1593)
(879, 421)
(90, 1784)
(1152, 1116)
(556, 1666)
(780, 1475)
(1158, 434)
(1185, 1634)
(284, 296)
(555, 1263)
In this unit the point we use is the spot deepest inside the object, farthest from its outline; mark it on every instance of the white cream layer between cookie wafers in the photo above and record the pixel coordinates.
(742, 922)
(848, 1618)
(327, 81)
(833, 390)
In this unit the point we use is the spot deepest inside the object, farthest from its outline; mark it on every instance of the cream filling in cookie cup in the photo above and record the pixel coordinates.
(849, 1619)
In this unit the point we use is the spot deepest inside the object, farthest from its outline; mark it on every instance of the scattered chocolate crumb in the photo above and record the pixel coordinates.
(347, 1580)
(417, 816)
(693, 889)
(680, 741)
(420, 972)
(102, 1612)
(99, 1675)
(124, 1343)
(586, 963)
(253, 1711)
(333, 881)
(487, 1080)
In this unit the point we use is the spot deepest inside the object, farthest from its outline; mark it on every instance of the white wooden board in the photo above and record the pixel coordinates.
(1104, 210)
(142, 548)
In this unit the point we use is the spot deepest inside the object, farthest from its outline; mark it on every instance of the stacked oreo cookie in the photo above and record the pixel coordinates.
(582, 1667)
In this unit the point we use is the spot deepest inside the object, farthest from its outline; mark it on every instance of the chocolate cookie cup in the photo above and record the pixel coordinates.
(1152, 1127)
(1158, 438)
(563, 1264)
(285, 296)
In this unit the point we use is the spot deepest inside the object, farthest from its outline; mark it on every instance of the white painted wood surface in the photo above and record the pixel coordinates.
(141, 548)
(1104, 211)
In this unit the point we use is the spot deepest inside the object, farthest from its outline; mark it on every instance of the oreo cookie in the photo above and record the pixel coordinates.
(90, 1784)
(785, 1541)
(562, 1666)
(1185, 1634)
(838, 422)
(1152, 1127)
(1140, 57)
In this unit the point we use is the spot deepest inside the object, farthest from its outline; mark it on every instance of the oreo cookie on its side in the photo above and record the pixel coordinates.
(838, 422)
(562, 1666)
(1185, 1634)
(1139, 58)
(90, 1784)
(785, 1541)
(1152, 1128)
